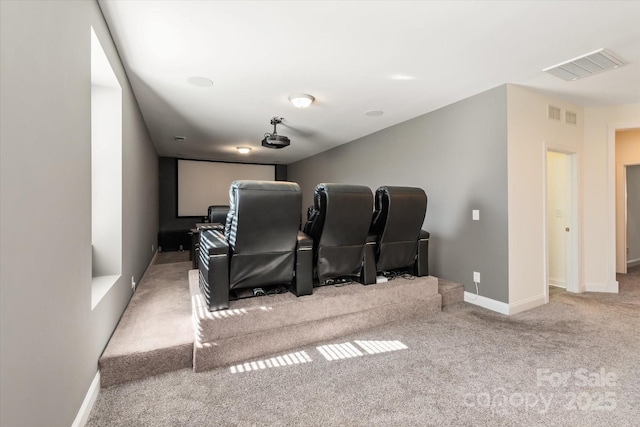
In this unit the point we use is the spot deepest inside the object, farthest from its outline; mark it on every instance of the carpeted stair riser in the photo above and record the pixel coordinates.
(266, 313)
(251, 346)
(129, 367)
(286, 323)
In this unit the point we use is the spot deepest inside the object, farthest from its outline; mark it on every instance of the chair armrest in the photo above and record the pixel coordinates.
(304, 241)
(421, 267)
(368, 272)
(210, 226)
(303, 283)
(214, 269)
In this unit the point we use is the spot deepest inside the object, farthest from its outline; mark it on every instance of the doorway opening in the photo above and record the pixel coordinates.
(561, 225)
(627, 199)
(632, 181)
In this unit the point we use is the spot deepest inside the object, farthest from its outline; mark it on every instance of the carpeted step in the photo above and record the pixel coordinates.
(155, 332)
(451, 292)
(116, 369)
(262, 326)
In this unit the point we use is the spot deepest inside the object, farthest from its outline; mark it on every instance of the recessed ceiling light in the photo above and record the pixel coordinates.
(402, 77)
(373, 113)
(243, 150)
(200, 81)
(179, 138)
(301, 100)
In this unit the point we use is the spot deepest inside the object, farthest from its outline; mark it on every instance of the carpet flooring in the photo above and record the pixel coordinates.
(572, 362)
(172, 257)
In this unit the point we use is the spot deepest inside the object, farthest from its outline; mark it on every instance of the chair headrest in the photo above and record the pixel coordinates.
(344, 214)
(263, 216)
(218, 213)
(399, 212)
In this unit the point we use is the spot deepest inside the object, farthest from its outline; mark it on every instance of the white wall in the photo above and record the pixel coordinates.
(627, 153)
(50, 338)
(530, 133)
(599, 255)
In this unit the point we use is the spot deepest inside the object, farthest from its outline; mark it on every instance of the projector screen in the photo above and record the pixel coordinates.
(203, 183)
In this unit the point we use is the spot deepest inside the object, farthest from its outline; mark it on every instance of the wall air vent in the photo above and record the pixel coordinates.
(553, 113)
(570, 118)
(586, 65)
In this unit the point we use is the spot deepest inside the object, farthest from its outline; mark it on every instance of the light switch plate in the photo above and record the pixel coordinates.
(475, 215)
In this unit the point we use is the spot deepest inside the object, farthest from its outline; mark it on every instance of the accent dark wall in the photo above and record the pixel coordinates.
(169, 221)
(281, 172)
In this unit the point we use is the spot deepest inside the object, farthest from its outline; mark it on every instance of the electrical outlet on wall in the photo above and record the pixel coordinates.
(133, 283)
(153, 248)
(476, 277)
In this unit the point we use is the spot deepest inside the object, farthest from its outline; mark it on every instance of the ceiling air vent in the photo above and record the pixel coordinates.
(570, 118)
(586, 65)
(553, 113)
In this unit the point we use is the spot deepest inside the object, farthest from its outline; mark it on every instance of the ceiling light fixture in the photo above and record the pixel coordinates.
(301, 100)
(402, 77)
(200, 81)
(273, 140)
(243, 150)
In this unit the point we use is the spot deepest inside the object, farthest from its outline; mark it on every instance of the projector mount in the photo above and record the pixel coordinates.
(273, 140)
(276, 121)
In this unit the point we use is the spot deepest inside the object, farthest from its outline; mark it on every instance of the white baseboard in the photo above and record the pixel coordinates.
(526, 304)
(501, 307)
(633, 263)
(87, 403)
(611, 288)
(557, 282)
(488, 303)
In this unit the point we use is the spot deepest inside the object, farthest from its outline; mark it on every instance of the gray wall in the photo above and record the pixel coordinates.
(458, 155)
(50, 338)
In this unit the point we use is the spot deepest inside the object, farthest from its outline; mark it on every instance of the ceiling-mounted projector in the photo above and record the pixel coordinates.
(273, 140)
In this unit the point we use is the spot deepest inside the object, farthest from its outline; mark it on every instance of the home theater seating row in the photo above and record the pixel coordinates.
(347, 236)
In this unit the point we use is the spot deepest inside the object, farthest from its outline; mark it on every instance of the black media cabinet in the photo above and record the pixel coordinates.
(174, 240)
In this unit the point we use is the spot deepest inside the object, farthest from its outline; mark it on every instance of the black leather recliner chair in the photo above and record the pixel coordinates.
(400, 243)
(261, 244)
(338, 225)
(217, 214)
(217, 217)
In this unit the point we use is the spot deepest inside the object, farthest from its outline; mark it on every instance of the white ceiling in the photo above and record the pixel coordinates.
(351, 56)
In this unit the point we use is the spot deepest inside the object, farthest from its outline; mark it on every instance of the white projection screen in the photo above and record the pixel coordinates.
(203, 183)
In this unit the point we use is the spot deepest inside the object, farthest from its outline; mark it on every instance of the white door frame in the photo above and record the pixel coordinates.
(622, 257)
(611, 201)
(573, 264)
